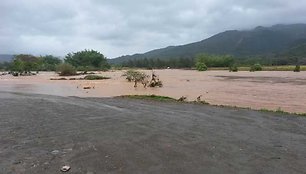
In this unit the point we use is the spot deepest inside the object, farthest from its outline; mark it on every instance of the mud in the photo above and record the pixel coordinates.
(258, 90)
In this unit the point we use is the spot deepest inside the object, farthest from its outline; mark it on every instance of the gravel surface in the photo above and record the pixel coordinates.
(41, 134)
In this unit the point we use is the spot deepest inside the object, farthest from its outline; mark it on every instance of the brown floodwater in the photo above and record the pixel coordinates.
(257, 90)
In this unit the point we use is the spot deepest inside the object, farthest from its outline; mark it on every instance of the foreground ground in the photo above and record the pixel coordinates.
(39, 134)
(258, 90)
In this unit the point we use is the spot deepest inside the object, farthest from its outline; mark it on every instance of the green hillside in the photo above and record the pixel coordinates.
(277, 40)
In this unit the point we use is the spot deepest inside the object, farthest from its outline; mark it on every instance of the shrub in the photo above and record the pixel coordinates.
(95, 77)
(132, 75)
(182, 99)
(256, 67)
(233, 68)
(156, 84)
(297, 68)
(200, 66)
(66, 69)
(137, 76)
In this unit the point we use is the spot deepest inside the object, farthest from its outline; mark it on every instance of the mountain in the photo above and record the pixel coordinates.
(295, 54)
(6, 57)
(246, 43)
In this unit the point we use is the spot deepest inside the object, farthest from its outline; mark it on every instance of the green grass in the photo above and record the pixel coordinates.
(149, 97)
(282, 68)
(280, 111)
(95, 77)
(165, 98)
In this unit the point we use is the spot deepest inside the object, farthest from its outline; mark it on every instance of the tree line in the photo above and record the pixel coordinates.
(87, 60)
(159, 63)
(209, 60)
(213, 61)
(83, 60)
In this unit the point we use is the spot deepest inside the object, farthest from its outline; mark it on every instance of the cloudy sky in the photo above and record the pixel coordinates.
(120, 27)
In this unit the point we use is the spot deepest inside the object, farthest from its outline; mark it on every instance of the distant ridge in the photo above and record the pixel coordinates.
(261, 40)
(6, 57)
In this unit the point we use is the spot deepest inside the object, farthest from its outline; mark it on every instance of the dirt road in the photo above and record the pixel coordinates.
(40, 133)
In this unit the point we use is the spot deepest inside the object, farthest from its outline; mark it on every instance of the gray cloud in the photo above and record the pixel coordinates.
(120, 27)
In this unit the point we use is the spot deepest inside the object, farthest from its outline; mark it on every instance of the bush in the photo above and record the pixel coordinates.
(233, 68)
(256, 67)
(200, 66)
(140, 77)
(66, 69)
(297, 68)
(95, 77)
(132, 75)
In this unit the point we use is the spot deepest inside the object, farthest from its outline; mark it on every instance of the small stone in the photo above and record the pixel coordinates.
(55, 152)
(65, 168)
(17, 162)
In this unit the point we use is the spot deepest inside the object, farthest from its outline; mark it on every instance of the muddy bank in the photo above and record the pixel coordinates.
(270, 90)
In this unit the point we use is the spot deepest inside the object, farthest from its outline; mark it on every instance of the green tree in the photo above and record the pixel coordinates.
(25, 63)
(5, 65)
(49, 63)
(216, 60)
(87, 58)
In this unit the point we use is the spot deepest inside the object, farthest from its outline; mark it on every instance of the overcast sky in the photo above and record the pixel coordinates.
(120, 27)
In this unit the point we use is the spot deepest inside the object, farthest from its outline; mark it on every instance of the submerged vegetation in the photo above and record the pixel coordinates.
(256, 67)
(66, 69)
(233, 68)
(200, 66)
(24, 63)
(143, 78)
(95, 77)
(297, 68)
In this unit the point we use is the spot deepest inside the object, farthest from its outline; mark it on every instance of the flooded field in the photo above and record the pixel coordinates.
(257, 90)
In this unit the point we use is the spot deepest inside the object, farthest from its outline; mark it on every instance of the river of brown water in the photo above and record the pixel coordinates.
(270, 90)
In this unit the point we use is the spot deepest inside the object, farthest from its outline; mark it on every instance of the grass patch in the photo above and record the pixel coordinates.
(165, 98)
(203, 102)
(149, 97)
(280, 111)
(95, 77)
(58, 79)
(282, 68)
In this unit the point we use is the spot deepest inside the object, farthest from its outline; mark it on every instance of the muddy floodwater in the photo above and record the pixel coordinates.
(257, 90)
